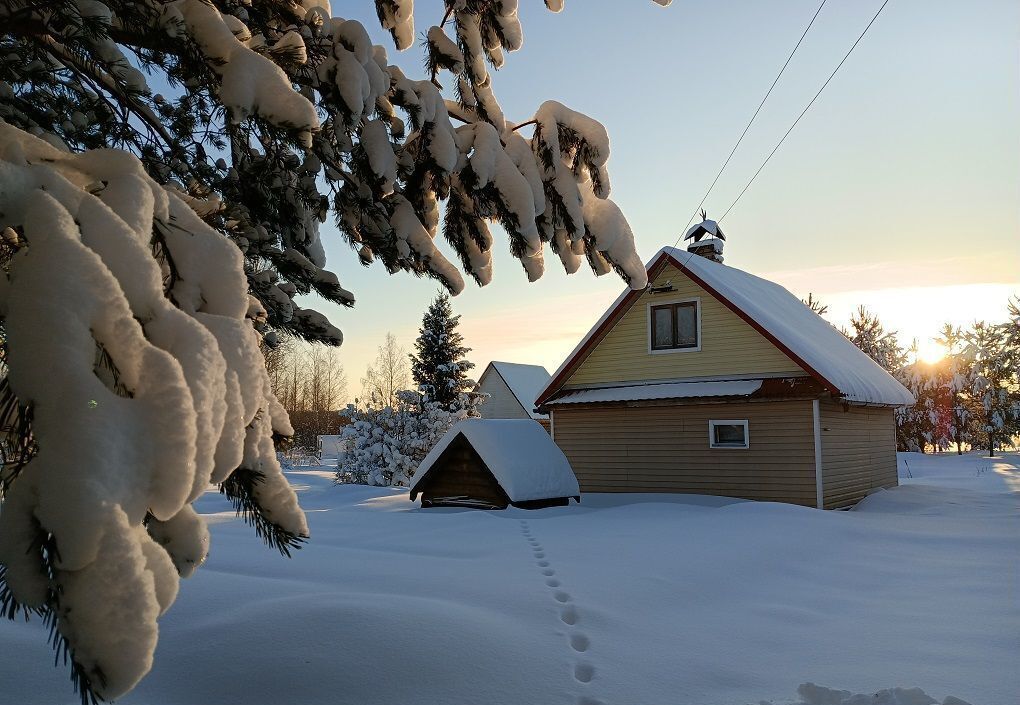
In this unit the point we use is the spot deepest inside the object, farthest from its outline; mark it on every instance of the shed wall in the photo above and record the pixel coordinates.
(501, 404)
(729, 346)
(459, 472)
(666, 449)
(858, 452)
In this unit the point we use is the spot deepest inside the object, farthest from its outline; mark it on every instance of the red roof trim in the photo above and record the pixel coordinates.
(596, 336)
(754, 324)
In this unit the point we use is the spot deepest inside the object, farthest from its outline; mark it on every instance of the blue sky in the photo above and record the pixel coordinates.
(899, 189)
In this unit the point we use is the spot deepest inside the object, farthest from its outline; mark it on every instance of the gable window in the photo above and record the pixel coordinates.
(674, 326)
(728, 434)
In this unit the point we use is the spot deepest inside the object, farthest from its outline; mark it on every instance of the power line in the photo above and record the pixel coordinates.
(750, 122)
(806, 108)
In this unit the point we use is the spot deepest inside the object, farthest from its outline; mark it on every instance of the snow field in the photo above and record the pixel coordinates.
(619, 600)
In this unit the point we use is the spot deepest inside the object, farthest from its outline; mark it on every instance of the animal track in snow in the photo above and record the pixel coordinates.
(579, 643)
(584, 672)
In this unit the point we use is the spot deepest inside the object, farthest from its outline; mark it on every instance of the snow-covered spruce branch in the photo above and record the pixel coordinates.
(336, 146)
(133, 374)
(136, 404)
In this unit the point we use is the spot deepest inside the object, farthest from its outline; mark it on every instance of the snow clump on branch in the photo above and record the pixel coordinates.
(138, 407)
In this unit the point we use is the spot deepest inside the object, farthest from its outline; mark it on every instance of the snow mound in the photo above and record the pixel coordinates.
(811, 694)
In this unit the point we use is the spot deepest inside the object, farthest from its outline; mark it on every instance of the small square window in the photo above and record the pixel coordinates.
(728, 434)
(674, 326)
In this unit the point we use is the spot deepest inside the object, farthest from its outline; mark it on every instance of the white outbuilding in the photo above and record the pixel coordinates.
(512, 388)
(329, 448)
(493, 464)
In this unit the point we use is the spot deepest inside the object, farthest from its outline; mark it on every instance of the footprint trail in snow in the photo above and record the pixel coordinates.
(578, 641)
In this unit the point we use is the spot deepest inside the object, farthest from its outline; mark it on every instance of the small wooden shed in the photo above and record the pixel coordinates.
(493, 464)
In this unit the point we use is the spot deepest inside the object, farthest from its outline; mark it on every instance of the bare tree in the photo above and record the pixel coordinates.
(389, 374)
(310, 382)
(325, 380)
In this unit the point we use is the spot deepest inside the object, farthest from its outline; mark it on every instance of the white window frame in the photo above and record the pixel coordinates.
(665, 302)
(728, 422)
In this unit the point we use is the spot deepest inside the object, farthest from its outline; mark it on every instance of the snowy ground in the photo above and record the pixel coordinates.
(622, 600)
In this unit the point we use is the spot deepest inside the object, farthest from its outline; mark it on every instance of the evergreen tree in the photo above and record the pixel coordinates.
(128, 318)
(815, 304)
(917, 426)
(993, 385)
(438, 365)
(955, 379)
(868, 333)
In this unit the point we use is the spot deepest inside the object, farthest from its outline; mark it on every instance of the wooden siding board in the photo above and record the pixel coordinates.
(729, 345)
(858, 452)
(665, 449)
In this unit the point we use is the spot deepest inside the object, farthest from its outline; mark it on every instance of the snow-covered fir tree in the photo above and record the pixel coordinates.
(955, 381)
(919, 427)
(815, 304)
(161, 160)
(868, 333)
(438, 364)
(993, 385)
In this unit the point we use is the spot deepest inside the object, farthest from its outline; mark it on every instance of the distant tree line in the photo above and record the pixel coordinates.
(969, 398)
(310, 382)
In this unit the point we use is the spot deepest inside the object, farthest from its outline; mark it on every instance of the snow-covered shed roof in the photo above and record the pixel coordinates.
(668, 390)
(809, 340)
(525, 381)
(519, 453)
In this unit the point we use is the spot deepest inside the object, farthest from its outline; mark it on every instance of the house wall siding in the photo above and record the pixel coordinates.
(729, 345)
(858, 452)
(501, 404)
(665, 449)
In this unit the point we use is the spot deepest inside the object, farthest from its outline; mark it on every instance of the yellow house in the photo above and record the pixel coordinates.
(714, 381)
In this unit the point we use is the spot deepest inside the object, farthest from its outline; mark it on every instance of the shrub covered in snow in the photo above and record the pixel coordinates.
(385, 445)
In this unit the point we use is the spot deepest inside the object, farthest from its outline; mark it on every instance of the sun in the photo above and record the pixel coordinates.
(930, 352)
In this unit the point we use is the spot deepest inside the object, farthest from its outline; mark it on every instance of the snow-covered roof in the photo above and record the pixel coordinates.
(525, 381)
(781, 317)
(668, 390)
(522, 457)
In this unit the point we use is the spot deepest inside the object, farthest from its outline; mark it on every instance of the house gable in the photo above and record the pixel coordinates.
(502, 403)
(728, 345)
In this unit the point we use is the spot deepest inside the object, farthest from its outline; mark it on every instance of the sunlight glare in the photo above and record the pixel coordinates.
(930, 352)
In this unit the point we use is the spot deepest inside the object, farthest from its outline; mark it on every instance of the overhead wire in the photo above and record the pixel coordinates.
(804, 111)
(751, 121)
